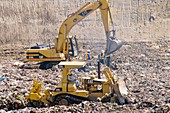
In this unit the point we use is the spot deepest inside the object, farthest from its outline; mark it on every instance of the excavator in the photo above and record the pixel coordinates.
(89, 88)
(63, 42)
(68, 92)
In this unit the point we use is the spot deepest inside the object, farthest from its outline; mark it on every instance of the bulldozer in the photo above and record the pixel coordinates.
(48, 55)
(89, 88)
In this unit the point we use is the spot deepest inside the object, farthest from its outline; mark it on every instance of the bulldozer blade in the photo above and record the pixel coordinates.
(123, 91)
(112, 45)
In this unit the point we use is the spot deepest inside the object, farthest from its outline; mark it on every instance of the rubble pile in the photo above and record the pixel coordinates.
(145, 65)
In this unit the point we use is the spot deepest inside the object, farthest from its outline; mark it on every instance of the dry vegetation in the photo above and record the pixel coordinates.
(32, 21)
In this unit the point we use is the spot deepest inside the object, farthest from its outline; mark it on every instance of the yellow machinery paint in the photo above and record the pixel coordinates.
(63, 41)
(92, 88)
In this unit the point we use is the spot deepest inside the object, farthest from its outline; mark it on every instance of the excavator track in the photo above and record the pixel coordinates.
(48, 65)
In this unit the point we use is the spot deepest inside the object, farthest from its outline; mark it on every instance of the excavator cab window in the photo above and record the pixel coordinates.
(74, 46)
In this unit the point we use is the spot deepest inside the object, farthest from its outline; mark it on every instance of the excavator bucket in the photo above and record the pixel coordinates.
(112, 45)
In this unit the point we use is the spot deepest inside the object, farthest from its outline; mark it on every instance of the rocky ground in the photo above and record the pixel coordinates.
(145, 65)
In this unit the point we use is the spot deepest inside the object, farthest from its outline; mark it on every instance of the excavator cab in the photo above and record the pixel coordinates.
(74, 46)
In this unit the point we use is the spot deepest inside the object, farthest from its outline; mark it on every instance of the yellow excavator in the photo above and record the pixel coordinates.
(63, 42)
(73, 91)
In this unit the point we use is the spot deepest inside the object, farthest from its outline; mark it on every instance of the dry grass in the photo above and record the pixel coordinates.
(31, 21)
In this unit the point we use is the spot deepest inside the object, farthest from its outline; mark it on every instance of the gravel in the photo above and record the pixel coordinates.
(145, 65)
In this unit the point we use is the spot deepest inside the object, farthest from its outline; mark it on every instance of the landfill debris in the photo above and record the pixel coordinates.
(145, 69)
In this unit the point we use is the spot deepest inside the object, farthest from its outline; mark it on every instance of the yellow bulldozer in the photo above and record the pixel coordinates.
(70, 91)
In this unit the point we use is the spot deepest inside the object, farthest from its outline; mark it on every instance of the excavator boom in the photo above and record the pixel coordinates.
(111, 44)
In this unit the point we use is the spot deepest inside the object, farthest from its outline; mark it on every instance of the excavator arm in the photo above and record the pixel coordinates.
(81, 14)
(73, 20)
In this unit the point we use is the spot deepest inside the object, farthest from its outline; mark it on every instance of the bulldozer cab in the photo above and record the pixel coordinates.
(68, 82)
